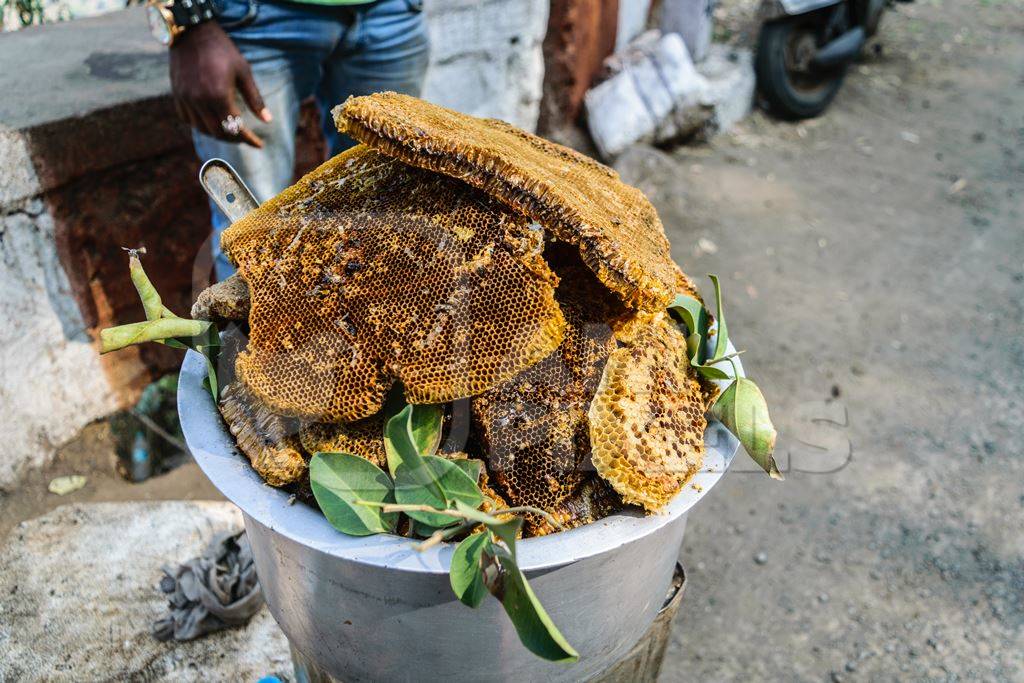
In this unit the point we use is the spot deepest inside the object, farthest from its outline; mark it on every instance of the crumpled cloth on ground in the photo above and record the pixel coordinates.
(215, 591)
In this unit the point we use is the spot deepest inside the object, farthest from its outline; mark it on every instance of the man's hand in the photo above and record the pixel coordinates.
(206, 67)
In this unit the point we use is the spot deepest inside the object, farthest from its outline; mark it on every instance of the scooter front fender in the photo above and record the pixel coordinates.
(776, 9)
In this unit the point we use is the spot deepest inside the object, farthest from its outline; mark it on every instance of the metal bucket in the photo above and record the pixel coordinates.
(372, 608)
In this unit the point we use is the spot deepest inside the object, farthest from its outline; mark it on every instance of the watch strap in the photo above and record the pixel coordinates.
(189, 13)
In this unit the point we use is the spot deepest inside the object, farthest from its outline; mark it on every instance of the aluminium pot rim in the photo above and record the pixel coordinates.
(214, 449)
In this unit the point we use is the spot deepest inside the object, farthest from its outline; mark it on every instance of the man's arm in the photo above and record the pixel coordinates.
(206, 67)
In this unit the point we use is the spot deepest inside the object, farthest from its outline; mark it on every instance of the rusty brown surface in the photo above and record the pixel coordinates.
(115, 182)
(310, 144)
(581, 33)
(155, 203)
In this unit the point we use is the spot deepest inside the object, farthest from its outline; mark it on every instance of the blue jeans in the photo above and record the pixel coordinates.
(301, 50)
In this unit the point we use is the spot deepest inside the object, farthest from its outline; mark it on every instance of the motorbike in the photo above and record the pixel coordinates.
(805, 48)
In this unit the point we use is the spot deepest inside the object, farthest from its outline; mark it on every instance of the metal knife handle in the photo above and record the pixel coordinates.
(226, 189)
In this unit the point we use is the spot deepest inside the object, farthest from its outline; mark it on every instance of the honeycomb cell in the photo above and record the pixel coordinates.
(582, 202)
(533, 430)
(647, 418)
(368, 271)
(593, 500)
(364, 438)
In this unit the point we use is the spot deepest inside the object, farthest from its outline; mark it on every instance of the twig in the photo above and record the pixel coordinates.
(151, 423)
(532, 510)
(726, 357)
(443, 535)
(522, 509)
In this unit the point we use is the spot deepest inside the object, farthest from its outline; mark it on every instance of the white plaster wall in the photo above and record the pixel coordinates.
(51, 383)
(632, 21)
(486, 57)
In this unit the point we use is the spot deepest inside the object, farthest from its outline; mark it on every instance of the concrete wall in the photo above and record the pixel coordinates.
(486, 57)
(92, 158)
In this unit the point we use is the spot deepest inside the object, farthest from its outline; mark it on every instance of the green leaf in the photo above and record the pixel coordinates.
(722, 337)
(401, 449)
(340, 481)
(422, 530)
(466, 574)
(211, 351)
(453, 486)
(471, 466)
(426, 424)
(505, 530)
(208, 346)
(114, 338)
(413, 431)
(744, 412)
(712, 372)
(692, 314)
(536, 630)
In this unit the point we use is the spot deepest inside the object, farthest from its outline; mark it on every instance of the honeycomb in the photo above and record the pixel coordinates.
(369, 271)
(533, 429)
(647, 418)
(364, 438)
(582, 202)
(466, 259)
(593, 500)
(268, 440)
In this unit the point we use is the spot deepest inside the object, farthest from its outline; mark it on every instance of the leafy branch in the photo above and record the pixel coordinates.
(741, 407)
(163, 326)
(442, 498)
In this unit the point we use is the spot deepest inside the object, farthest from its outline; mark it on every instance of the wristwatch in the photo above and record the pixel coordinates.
(168, 19)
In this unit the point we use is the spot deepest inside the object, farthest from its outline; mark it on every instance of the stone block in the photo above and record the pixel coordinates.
(78, 595)
(632, 21)
(691, 19)
(730, 76)
(650, 98)
(486, 57)
(52, 381)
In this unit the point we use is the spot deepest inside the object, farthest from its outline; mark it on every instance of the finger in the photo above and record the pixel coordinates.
(218, 115)
(244, 134)
(251, 95)
(250, 138)
(192, 116)
(210, 119)
(179, 110)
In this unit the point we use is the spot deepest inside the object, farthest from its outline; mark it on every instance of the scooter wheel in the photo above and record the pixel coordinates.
(788, 84)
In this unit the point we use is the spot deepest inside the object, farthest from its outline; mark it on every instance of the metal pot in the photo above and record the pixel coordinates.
(373, 608)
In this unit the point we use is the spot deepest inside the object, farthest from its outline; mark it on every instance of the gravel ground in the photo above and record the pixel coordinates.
(873, 263)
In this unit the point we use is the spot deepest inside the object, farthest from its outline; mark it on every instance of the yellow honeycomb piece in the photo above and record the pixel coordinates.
(582, 202)
(268, 440)
(364, 438)
(593, 500)
(533, 429)
(647, 418)
(368, 271)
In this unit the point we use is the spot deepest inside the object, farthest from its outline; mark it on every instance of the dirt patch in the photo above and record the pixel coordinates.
(92, 454)
(873, 265)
